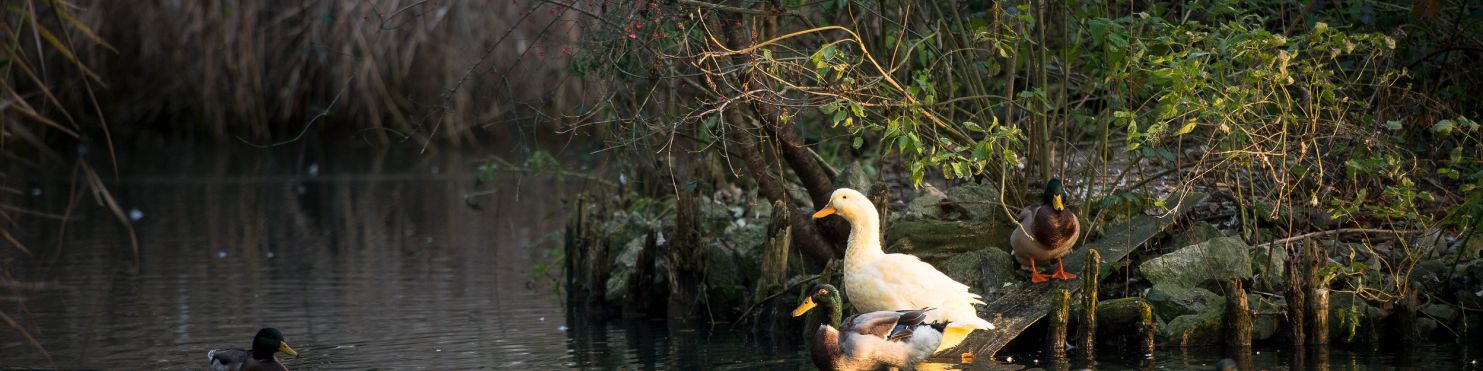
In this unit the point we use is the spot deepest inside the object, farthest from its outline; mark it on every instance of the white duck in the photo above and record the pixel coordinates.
(877, 281)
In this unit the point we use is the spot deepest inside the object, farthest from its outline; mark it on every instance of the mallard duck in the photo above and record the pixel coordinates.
(868, 341)
(877, 281)
(262, 356)
(1052, 233)
(1226, 365)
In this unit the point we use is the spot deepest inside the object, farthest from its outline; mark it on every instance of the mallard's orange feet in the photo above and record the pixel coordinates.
(1035, 275)
(1061, 272)
(967, 358)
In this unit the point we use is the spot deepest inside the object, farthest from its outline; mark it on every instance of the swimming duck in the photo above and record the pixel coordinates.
(262, 356)
(868, 341)
(877, 281)
(1052, 233)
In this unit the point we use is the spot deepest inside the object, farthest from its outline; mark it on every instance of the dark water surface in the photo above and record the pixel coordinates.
(369, 259)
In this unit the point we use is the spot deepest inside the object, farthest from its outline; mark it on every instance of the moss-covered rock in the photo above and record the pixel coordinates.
(855, 176)
(1194, 234)
(979, 200)
(1271, 314)
(988, 272)
(1171, 301)
(1269, 264)
(927, 206)
(1216, 260)
(937, 239)
(1204, 328)
(622, 268)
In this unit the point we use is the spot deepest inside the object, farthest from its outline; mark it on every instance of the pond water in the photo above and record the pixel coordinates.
(369, 259)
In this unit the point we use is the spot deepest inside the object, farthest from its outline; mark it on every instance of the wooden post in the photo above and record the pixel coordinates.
(686, 260)
(640, 291)
(1318, 316)
(1238, 317)
(1406, 319)
(1060, 315)
(1147, 328)
(880, 195)
(773, 318)
(572, 239)
(1090, 279)
(1296, 296)
(774, 253)
(1318, 297)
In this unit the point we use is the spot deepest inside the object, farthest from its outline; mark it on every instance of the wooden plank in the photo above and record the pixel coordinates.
(1022, 306)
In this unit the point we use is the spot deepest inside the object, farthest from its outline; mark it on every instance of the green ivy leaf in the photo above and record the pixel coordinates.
(1444, 127)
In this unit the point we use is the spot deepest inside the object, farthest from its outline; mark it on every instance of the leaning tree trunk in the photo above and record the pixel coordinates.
(797, 155)
(808, 238)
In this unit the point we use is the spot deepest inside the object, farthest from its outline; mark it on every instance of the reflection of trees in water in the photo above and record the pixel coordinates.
(234, 245)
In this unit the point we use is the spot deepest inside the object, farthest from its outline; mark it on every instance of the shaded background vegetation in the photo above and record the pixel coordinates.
(1299, 116)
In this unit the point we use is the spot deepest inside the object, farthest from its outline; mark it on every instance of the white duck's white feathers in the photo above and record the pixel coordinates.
(877, 281)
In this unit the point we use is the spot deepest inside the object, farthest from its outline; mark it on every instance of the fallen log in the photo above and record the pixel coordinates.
(1022, 306)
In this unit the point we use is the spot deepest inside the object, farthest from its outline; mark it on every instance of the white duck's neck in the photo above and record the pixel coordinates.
(865, 237)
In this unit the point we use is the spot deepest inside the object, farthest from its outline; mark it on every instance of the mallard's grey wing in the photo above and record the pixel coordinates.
(907, 323)
(1026, 213)
(878, 324)
(889, 338)
(228, 359)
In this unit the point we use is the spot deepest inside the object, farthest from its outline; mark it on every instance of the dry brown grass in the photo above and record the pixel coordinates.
(259, 70)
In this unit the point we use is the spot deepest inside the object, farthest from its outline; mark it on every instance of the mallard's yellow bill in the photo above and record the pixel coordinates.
(808, 303)
(283, 347)
(1057, 202)
(826, 211)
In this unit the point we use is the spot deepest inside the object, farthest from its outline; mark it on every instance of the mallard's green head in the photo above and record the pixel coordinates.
(821, 295)
(1055, 194)
(268, 341)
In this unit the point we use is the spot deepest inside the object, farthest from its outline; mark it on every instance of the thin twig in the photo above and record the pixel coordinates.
(1305, 236)
(785, 290)
(322, 113)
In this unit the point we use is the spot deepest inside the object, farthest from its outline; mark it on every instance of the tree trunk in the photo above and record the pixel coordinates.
(809, 241)
(1296, 296)
(686, 259)
(808, 238)
(1091, 278)
(639, 299)
(1239, 316)
(773, 318)
(802, 161)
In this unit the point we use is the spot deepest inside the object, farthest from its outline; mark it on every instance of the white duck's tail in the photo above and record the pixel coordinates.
(958, 331)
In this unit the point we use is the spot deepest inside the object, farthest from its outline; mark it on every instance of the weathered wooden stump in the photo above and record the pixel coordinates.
(1091, 277)
(1296, 295)
(638, 300)
(1318, 297)
(1060, 317)
(1318, 317)
(1017, 309)
(774, 317)
(1148, 328)
(1238, 316)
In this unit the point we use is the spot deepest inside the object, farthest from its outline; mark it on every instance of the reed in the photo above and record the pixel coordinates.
(386, 70)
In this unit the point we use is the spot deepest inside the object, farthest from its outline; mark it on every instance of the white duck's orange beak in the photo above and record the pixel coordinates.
(826, 211)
